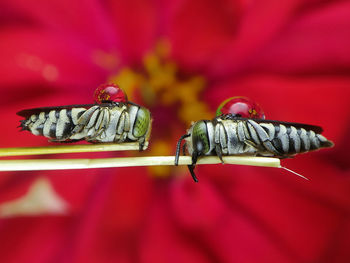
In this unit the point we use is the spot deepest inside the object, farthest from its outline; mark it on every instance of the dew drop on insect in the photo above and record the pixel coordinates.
(109, 93)
(241, 107)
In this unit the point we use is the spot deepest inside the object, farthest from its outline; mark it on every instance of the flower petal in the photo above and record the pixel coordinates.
(135, 22)
(37, 239)
(83, 19)
(162, 242)
(219, 36)
(317, 42)
(198, 29)
(35, 56)
(286, 37)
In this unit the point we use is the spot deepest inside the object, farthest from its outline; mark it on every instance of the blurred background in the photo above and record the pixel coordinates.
(180, 59)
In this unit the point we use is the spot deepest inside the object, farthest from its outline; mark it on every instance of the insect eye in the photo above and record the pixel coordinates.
(199, 146)
(200, 137)
(241, 107)
(109, 93)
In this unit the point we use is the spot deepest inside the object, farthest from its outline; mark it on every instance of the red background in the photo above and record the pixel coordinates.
(292, 57)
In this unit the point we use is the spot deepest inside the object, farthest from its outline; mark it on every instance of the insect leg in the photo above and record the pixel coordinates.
(111, 122)
(121, 124)
(104, 124)
(100, 120)
(217, 134)
(263, 136)
(123, 127)
(244, 137)
(126, 126)
(253, 145)
(100, 126)
(219, 152)
(220, 140)
(84, 120)
(141, 143)
(127, 122)
(119, 136)
(93, 119)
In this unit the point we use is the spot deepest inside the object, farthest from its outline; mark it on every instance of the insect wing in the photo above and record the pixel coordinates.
(28, 112)
(316, 129)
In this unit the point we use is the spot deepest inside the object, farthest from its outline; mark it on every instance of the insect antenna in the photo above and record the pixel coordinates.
(178, 146)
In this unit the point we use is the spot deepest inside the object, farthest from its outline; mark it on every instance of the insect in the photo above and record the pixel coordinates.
(231, 134)
(111, 119)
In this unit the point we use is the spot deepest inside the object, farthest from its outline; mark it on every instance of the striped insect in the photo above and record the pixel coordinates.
(229, 134)
(112, 119)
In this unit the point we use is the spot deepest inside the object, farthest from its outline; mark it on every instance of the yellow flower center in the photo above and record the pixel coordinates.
(159, 83)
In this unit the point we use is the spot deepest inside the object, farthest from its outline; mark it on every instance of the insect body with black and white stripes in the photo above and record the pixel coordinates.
(109, 120)
(229, 134)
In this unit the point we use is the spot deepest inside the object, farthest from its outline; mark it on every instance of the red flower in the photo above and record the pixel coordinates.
(291, 57)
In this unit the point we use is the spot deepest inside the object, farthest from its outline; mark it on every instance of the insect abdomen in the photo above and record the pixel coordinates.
(249, 137)
(95, 124)
(56, 124)
(282, 140)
